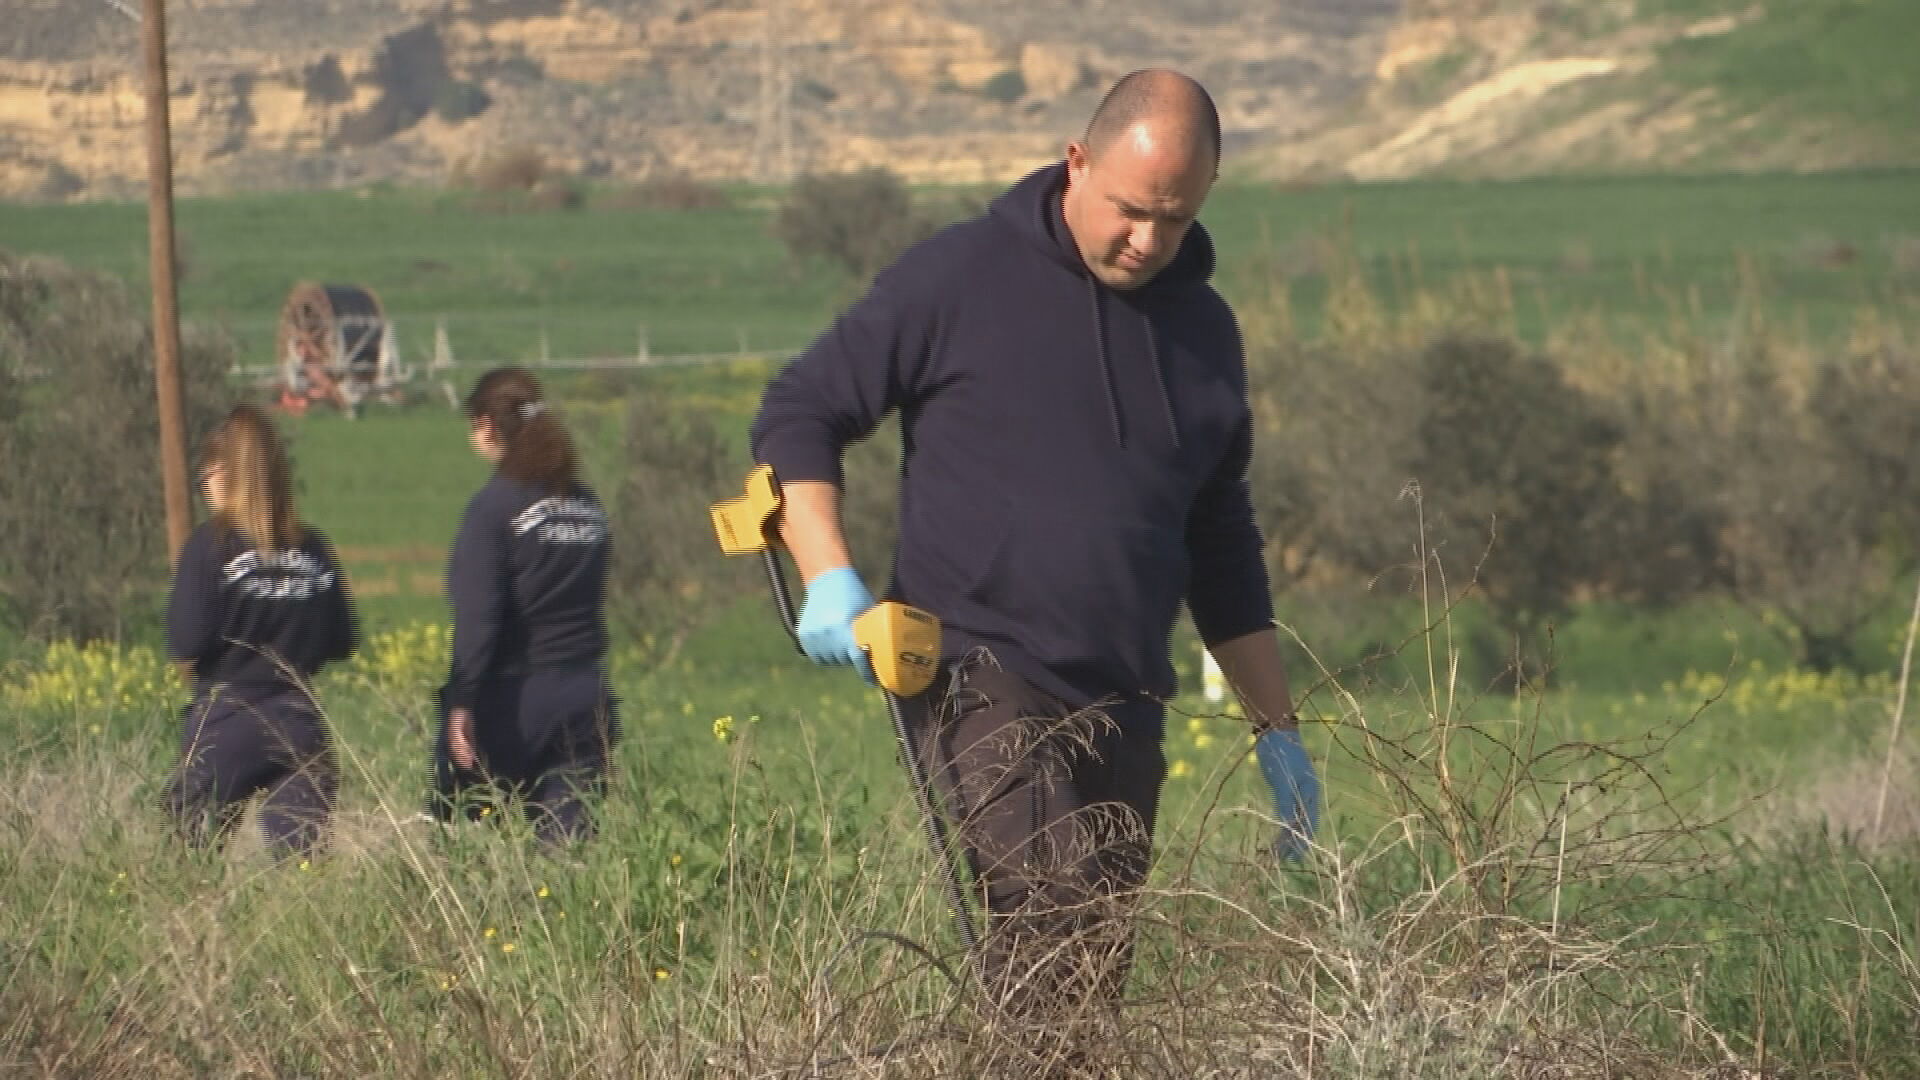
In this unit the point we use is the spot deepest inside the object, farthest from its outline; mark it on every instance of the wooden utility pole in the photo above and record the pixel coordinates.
(160, 264)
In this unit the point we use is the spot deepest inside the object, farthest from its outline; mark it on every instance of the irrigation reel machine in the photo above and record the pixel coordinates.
(335, 346)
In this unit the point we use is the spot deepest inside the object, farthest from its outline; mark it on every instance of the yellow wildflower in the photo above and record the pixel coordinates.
(1180, 768)
(723, 728)
(99, 677)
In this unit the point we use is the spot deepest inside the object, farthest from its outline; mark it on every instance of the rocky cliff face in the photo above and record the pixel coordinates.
(347, 91)
(272, 93)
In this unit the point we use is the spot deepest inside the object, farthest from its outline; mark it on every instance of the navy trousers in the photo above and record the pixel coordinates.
(545, 739)
(236, 743)
(1054, 809)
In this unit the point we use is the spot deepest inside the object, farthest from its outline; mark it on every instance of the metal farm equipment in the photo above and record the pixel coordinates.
(335, 345)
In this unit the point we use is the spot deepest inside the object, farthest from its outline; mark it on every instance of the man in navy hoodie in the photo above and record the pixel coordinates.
(1076, 432)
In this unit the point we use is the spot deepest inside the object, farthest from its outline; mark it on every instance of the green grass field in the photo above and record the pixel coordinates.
(707, 281)
(1630, 250)
(1645, 889)
(1839, 60)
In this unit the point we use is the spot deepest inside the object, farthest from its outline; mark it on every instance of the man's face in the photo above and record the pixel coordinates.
(1130, 207)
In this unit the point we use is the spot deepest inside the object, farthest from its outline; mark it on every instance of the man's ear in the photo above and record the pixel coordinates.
(1077, 159)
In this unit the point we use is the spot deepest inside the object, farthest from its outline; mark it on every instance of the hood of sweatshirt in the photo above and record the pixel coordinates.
(1033, 210)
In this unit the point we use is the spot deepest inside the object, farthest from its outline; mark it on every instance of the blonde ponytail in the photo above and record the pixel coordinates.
(259, 480)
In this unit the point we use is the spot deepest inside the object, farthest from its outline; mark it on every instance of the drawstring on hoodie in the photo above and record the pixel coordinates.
(1160, 379)
(1106, 368)
(1106, 364)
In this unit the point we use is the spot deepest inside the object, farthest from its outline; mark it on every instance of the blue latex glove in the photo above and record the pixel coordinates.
(1296, 789)
(834, 599)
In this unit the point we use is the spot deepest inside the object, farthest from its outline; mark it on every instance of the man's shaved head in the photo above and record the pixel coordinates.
(1137, 179)
(1170, 103)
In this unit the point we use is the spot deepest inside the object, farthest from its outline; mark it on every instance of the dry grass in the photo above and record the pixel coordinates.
(668, 191)
(511, 168)
(1496, 901)
(1843, 800)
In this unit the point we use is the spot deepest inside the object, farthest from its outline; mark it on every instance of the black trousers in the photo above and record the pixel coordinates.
(1054, 809)
(544, 739)
(237, 743)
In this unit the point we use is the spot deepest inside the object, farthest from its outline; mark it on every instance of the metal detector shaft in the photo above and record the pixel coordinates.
(930, 818)
(901, 642)
(936, 825)
(777, 577)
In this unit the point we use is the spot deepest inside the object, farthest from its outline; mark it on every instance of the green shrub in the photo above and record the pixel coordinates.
(82, 538)
(1006, 87)
(859, 221)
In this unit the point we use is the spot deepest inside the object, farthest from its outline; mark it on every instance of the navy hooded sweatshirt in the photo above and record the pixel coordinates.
(1075, 456)
(527, 579)
(258, 622)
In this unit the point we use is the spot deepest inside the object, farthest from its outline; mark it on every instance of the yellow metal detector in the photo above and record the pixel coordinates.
(902, 643)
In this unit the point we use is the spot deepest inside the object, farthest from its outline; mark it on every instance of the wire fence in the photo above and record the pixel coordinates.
(562, 363)
(416, 358)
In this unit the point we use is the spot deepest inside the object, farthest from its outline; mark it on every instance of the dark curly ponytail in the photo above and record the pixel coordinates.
(538, 450)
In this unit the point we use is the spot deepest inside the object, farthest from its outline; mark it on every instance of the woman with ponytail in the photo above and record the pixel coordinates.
(527, 709)
(258, 606)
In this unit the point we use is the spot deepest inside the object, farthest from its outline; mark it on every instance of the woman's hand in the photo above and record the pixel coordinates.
(460, 738)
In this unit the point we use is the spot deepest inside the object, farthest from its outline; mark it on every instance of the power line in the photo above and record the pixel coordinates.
(773, 119)
(820, 44)
(560, 48)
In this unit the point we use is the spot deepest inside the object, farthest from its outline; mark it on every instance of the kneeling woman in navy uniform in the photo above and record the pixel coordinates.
(527, 707)
(258, 606)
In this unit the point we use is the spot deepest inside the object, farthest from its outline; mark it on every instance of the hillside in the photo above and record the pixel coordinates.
(343, 92)
(1476, 88)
